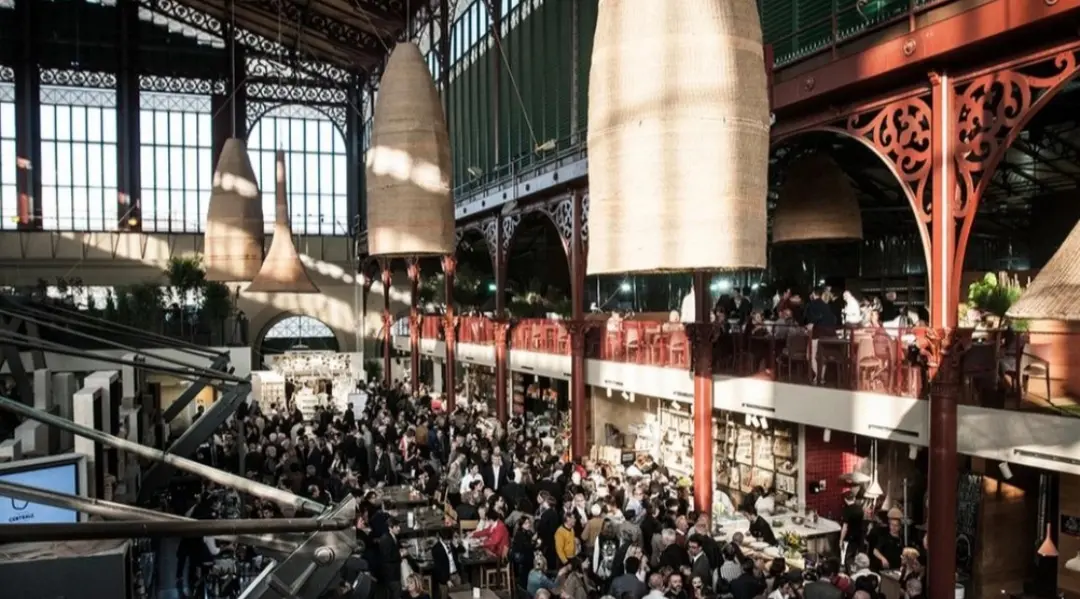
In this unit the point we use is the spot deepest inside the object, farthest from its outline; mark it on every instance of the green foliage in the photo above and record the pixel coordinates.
(186, 277)
(995, 294)
(539, 300)
(140, 305)
(470, 289)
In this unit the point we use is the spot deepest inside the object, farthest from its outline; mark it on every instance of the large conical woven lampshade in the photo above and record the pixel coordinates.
(410, 209)
(817, 203)
(1051, 295)
(233, 243)
(678, 137)
(282, 271)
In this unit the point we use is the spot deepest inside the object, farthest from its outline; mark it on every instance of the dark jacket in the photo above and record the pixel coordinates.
(628, 583)
(440, 563)
(747, 586)
(389, 559)
(821, 589)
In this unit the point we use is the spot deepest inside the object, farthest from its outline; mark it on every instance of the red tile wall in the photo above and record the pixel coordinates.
(827, 461)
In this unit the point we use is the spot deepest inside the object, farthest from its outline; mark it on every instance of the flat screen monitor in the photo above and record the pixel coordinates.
(62, 474)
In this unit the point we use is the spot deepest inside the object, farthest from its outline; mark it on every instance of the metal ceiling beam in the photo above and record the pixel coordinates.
(82, 319)
(1019, 172)
(110, 510)
(10, 354)
(193, 391)
(225, 479)
(258, 46)
(200, 431)
(94, 531)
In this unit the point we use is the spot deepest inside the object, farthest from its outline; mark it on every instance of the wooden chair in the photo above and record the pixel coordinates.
(467, 526)
(797, 351)
(498, 576)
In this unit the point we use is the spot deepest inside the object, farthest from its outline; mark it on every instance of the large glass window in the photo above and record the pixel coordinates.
(315, 165)
(176, 163)
(299, 327)
(9, 193)
(78, 159)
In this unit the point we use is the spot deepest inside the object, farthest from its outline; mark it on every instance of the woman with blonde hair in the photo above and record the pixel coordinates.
(414, 588)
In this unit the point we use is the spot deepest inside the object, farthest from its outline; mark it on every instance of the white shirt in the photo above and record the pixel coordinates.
(765, 506)
(688, 310)
(466, 481)
(495, 471)
(211, 545)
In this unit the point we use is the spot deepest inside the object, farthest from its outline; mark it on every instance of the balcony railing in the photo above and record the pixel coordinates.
(798, 32)
(476, 330)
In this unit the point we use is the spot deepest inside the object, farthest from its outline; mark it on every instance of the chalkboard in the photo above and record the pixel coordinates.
(968, 502)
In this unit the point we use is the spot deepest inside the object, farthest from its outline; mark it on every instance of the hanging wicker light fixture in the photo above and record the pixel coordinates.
(1051, 295)
(282, 271)
(678, 137)
(410, 209)
(233, 242)
(816, 204)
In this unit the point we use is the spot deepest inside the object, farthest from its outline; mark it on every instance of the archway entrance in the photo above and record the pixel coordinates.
(298, 332)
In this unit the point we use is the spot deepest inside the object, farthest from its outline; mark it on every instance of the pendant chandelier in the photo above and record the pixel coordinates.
(678, 137)
(816, 204)
(234, 237)
(410, 208)
(282, 271)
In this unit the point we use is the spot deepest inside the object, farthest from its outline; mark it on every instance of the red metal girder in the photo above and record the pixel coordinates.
(934, 41)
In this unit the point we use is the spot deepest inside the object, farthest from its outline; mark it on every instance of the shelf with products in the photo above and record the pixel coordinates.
(761, 453)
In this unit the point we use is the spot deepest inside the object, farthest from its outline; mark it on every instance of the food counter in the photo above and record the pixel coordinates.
(821, 538)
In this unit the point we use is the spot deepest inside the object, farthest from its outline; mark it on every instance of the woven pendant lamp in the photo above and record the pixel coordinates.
(233, 242)
(816, 204)
(410, 209)
(1051, 295)
(678, 137)
(282, 271)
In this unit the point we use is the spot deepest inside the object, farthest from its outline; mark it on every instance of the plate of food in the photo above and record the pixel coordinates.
(758, 545)
(773, 552)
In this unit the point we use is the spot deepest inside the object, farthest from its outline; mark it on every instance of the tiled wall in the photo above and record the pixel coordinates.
(827, 461)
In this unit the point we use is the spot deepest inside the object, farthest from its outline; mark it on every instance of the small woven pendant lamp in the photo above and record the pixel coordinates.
(678, 137)
(234, 237)
(410, 208)
(816, 204)
(282, 271)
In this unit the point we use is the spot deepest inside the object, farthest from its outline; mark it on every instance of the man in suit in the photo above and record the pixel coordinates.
(495, 474)
(699, 562)
(382, 472)
(747, 585)
(390, 554)
(445, 571)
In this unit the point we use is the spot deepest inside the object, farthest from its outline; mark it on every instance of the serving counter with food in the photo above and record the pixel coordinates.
(797, 533)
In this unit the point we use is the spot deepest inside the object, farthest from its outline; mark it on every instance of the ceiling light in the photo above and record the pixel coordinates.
(827, 435)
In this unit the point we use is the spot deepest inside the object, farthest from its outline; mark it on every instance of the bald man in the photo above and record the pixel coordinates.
(862, 595)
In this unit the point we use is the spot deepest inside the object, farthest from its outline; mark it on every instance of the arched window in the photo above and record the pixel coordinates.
(316, 168)
(176, 161)
(9, 193)
(299, 327)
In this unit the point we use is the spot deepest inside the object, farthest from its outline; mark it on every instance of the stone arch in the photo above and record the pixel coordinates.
(993, 109)
(911, 193)
(268, 325)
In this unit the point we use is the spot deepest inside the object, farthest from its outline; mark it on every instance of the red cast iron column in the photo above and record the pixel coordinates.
(579, 442)
(388, 320)
(502, 334)
(502, 325)
(703, 395)
(943, 457)
(449, 266)
(414, 323)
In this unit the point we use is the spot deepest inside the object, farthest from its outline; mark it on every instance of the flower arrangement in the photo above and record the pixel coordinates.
(793, 543)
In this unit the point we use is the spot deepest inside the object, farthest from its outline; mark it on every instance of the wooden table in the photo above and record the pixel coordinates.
(484, 594)
(401, 495)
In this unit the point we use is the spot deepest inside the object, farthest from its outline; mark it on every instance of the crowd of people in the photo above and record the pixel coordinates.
(572, 529)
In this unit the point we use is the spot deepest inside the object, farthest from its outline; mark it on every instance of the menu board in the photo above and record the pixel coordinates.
(969, 490)
(749, 456)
